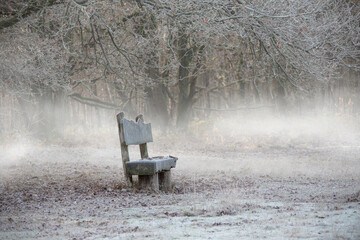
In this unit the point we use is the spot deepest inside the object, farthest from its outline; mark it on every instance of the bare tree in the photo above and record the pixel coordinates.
(32, 70)
(165, 57)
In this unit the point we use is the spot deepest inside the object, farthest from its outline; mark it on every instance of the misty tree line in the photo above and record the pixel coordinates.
(65, 61)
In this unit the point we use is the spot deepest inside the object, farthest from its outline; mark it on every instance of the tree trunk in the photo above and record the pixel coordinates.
(45, 126)
(156, 95)
(279, 94)
(60, 111)
(97, 110)
(240, 79)
(186, 79)
(185, 54)
(207, 96)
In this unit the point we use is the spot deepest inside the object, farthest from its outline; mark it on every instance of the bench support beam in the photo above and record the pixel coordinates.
(149, 182)
(165, 181)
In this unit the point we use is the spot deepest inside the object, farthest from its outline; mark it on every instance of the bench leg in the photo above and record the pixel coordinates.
(129, 181)
(149, 182)
(165, 181)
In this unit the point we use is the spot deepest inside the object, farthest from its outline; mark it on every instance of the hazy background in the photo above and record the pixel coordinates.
(222, 73)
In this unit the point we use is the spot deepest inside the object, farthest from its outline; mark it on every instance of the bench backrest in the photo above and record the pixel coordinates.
(136, 133)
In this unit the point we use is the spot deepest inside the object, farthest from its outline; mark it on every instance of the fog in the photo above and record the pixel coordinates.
(319, 130)
(250, 142)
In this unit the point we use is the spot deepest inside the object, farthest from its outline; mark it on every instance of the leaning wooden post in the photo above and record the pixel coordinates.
(143, 147)
(124, 149)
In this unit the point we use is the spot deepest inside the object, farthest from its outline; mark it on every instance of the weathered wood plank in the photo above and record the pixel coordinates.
(136, 133)
(150, 167)
(149, 182)
(143, 151)
(143, 147)
(165, 181)
(124, 148)
(154, 182)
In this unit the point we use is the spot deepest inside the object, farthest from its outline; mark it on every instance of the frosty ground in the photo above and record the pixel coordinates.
(222, 189)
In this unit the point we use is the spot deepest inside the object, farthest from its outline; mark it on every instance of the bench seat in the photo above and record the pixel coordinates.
(150, 166)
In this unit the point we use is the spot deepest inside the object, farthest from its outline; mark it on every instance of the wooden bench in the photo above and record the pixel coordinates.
(153, 173)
